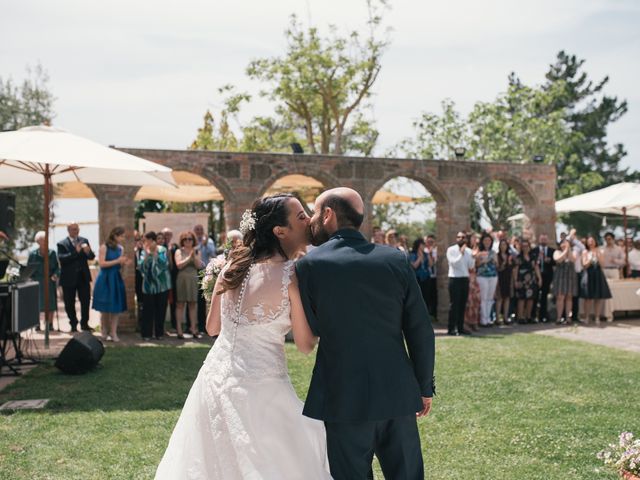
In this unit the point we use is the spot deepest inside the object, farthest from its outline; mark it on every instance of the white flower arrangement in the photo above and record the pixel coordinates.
(248, 222)
(211, 272)
(623, 456)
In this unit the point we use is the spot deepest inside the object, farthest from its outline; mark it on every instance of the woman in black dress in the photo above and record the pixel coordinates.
(527, 280)
(504, 291)
(593, 284)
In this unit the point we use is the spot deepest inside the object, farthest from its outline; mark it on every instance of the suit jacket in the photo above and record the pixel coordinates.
(547, 270)
(74, 267)
(364, 303)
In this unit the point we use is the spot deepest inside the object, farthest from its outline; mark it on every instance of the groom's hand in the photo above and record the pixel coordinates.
(426, 407)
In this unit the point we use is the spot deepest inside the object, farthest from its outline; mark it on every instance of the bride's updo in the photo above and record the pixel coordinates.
(259, 242)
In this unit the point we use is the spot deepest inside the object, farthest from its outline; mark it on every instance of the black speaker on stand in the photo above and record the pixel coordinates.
(81, 354)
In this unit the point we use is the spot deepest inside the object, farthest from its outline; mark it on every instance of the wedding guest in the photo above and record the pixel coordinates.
(472, 310)
(137, 250)
(565, 285)
(36, 259)
(593, 284)
(391, 239)
(188, 262)
(527, 280)
(75, 277)
(403, 244)
(109, 296)
(460, 263)
(234, 237)
(431, 250)
(421, 266)
(613, 262)
(173, 294)
(544, 255)
(504, 266)
(634, 260)
(154, 265)
(160, 240)
(577, 247)
(207, 248)
(487, 277)
(612, 257)
(378, 236)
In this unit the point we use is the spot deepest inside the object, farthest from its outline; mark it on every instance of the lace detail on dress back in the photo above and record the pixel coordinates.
(265, 297)
(255, 320)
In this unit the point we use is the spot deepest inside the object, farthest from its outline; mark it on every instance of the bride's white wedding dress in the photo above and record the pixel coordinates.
(242, 418)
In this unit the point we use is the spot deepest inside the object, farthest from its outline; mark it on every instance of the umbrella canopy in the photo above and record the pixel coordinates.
(610, 200)
(385, 196)
(31, 151)
(43, 155)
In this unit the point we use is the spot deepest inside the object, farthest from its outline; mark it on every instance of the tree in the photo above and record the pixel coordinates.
(30, 103)
(589, 112)
(324, 82)
(564, 120)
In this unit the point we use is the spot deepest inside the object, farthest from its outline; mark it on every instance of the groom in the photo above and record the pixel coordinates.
(364, 303)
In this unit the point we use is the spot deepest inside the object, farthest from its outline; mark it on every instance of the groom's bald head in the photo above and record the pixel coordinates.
(347, 205)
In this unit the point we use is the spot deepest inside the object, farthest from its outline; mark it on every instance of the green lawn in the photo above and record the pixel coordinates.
(512, 407)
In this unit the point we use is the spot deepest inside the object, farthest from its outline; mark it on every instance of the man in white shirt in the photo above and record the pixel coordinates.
(460, 262)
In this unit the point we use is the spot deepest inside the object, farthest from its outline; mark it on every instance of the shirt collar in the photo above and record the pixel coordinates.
(348, 233)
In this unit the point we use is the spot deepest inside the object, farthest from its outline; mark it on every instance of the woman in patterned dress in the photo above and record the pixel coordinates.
(472, 311)
(527, 280)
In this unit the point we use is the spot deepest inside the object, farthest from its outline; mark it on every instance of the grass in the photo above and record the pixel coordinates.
(515, 407)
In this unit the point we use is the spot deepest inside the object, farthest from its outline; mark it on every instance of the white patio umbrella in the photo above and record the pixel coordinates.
(619, 199)
(42, 155)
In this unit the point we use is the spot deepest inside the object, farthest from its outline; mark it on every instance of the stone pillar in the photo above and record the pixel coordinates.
(234, 209)
(450, 219)
(116, 208)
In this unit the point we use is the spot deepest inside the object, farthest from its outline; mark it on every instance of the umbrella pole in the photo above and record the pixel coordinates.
(47, 201)
(626, 245)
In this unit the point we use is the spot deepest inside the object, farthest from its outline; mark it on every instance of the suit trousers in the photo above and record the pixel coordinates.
(543, 310)
(83, 289)
(396, 443)
(153, 314)
(458, 295)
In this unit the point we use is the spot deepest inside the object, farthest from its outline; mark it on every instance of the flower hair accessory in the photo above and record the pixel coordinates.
(248, 222)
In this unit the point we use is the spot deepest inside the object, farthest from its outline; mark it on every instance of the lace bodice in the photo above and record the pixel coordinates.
(255, 319)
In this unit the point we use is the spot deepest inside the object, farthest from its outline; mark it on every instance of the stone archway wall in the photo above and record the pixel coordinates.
(243, 177)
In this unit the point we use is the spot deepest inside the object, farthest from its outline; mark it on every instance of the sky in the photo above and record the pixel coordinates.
(142, 73)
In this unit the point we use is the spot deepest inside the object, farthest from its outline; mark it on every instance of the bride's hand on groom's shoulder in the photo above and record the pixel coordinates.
(426, 407)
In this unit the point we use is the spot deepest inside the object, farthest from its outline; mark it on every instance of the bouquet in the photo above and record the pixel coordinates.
(623, 456)
(210, 274)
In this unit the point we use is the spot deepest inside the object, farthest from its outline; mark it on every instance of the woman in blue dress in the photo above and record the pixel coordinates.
(109, 296)
(36, 258)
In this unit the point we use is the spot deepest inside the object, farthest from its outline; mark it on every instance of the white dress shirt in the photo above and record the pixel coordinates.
(459, 263)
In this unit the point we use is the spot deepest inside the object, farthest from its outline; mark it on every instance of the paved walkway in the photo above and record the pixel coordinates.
(623, 333)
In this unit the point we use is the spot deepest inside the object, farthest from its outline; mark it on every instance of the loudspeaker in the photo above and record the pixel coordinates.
(7, 212)
(81, 354)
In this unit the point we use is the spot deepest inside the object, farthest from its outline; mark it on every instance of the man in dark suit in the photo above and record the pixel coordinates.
(74, 252)
(364, 303)
(544, 258)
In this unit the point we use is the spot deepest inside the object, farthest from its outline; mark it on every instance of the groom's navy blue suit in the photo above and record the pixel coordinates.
(364, 303)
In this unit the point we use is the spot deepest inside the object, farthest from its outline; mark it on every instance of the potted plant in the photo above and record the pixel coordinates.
(623, 456)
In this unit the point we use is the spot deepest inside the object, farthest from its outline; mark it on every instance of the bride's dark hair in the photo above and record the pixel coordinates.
(259, 243)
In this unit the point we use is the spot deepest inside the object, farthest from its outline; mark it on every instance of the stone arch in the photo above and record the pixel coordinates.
(439, 195)
(524, 191)
(328, 180)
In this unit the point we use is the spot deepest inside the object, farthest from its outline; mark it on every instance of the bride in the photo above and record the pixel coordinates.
(242, 418)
